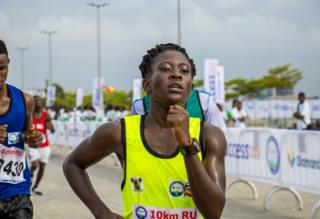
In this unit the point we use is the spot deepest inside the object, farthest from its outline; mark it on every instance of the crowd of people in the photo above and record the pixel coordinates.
(301, 117)
(88, 113)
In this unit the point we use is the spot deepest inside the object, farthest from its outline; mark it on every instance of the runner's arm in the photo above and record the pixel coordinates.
(207, 179)
(31, 137)
(49, 123)
(105, 140)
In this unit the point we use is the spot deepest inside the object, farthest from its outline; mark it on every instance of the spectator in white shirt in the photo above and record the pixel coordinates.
(302, 115)
(238, 114)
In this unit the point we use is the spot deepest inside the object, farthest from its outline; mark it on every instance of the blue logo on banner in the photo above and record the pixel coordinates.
(273, 155)
(250, 104)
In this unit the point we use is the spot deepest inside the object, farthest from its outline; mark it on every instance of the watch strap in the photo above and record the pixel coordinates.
(191, 149)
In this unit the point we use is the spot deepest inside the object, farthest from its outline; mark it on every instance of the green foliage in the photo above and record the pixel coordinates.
(59, 90)
(118, 98)
(87, 100)
(197, 83)
(278, 77)
(282, 76)
(66, 100)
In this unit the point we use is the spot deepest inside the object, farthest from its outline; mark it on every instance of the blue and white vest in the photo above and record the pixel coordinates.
(14, 172)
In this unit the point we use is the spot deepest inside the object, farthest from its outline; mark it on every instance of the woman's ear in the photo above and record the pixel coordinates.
(146, 86)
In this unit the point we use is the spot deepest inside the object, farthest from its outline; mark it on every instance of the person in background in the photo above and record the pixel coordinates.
(39, 157)
(200, 104)
(238, 114)
(302, 114)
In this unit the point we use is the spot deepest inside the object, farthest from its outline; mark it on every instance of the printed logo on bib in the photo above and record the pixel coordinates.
(179, 189)
(12, 164)
(141, 212)
(136, 184)
(148, 212)
(13, 138)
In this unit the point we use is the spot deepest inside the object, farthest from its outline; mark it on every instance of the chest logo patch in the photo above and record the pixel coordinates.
(179, 189)
(13, 138)
(137, 184)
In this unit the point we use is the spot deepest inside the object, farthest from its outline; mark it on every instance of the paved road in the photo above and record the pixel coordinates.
(59, 202)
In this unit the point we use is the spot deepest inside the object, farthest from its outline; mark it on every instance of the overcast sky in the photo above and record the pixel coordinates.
(248, 37)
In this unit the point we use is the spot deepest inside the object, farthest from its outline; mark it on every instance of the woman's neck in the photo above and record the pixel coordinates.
(3, 91)
(158, 115)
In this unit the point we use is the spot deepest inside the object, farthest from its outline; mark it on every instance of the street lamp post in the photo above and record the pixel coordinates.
(50, 33)
(22, 49)
(179, 22)
(98, 6)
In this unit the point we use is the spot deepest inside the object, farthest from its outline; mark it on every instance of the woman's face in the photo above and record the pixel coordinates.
(4, 67)
(170, 80)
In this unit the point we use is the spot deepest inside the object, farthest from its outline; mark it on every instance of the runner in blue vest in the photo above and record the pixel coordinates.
(16, 110)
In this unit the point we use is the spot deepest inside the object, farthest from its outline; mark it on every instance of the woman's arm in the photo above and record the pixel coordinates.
(105, 140)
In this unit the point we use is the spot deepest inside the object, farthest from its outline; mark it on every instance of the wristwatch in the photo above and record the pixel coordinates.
(192, 148)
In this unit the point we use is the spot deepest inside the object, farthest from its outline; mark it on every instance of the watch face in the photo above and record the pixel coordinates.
(195, 144)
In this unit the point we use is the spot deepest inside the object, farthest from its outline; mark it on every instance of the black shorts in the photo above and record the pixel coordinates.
(16, 207)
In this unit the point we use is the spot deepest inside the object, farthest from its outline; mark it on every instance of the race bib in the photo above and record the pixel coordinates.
(12, 164)
(148, 212)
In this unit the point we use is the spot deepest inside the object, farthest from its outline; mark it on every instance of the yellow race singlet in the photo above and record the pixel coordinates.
(155, 186)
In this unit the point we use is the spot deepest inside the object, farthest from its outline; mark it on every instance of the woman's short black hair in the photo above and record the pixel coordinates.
(145, 66)
(3, 48)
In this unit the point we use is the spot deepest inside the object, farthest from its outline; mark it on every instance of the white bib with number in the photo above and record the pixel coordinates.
(148, 212)
(12, 164)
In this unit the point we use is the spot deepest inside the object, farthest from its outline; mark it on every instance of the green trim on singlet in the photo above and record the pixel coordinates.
(193, 105)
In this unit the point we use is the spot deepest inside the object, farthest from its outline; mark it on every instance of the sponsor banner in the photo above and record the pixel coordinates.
(97, 94)
(51, 95)
(136, 89)
(71, 134)
(79, 97)
(301, 160)
(219, 85)
(210, 68)
(230, 162)
(288, 158)
(314, 108)
(254, 154)
(214, 80)
(264, 109)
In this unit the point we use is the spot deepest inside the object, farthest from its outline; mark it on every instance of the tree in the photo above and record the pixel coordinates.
(118, 98)
(278, 77)
(66, 100)
(59, 90)
(282, 77)
(197, 83)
